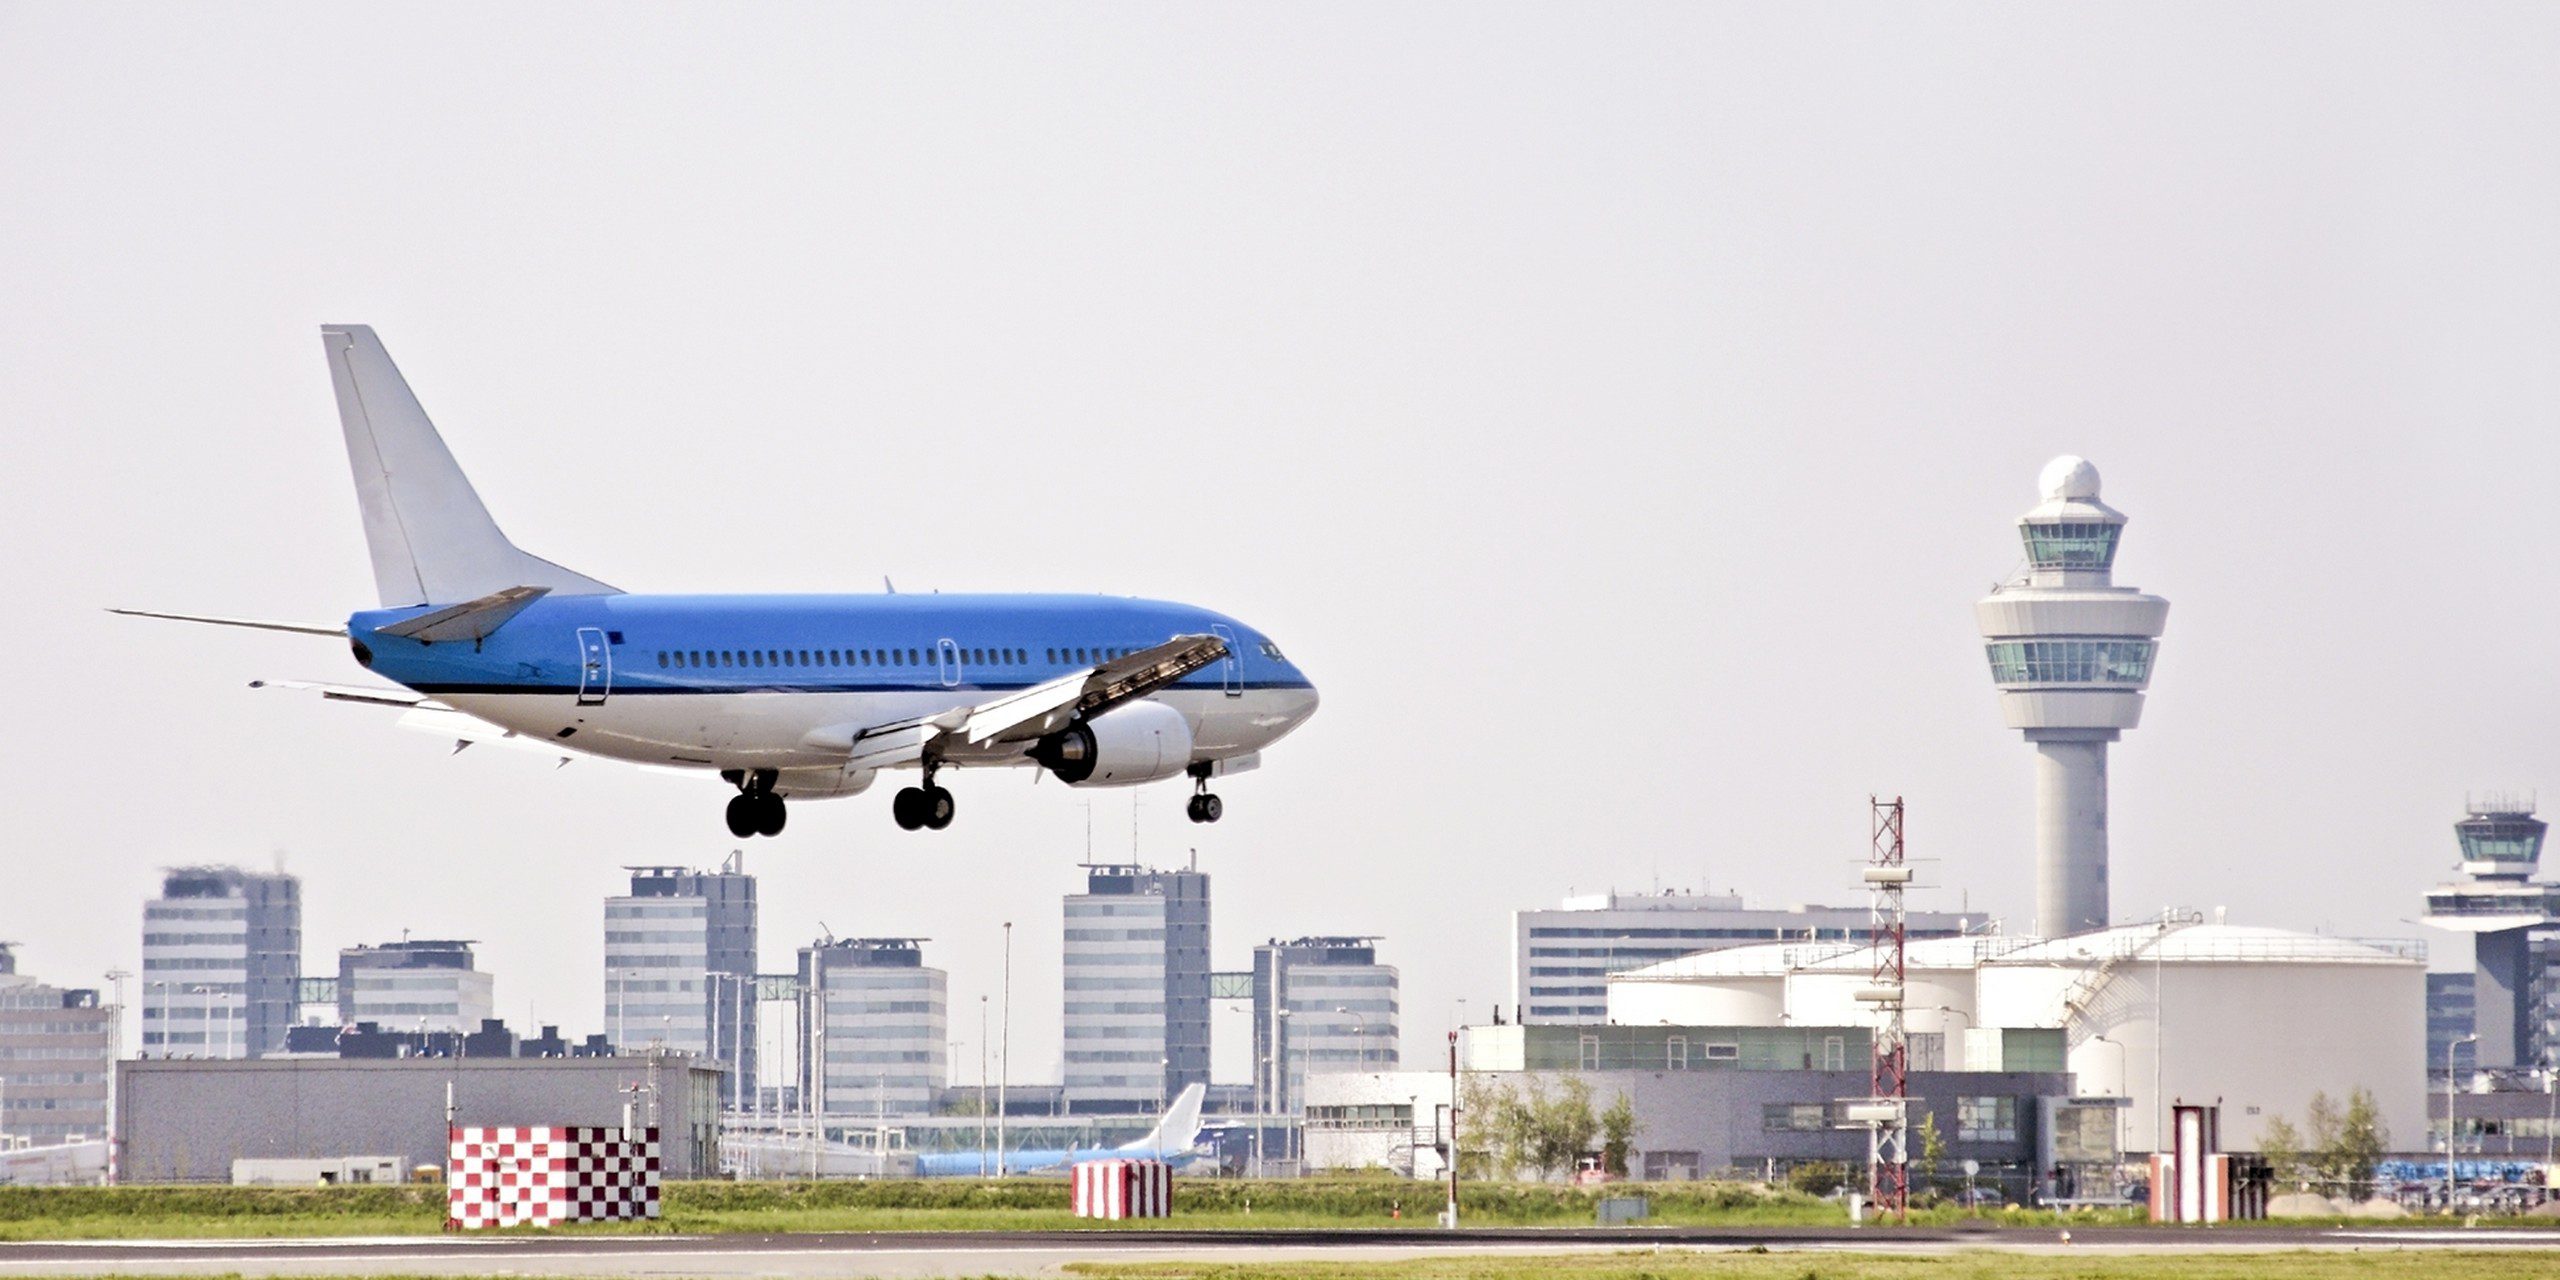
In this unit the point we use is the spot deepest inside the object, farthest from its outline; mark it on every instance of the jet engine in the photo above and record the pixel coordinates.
(1127, 745)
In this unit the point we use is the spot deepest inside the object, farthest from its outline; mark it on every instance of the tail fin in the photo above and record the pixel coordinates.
(1180, 1127)
(432, 540)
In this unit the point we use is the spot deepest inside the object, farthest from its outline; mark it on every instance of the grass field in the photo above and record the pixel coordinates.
(1677, 1265)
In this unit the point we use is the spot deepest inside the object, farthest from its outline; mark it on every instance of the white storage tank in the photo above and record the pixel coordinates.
(1742, 986)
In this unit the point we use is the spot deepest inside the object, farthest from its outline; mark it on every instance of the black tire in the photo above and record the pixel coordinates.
(771, 813)
(742, 815)
(1191, 810)
(939, 808)
(908, 808)
(1212, 808)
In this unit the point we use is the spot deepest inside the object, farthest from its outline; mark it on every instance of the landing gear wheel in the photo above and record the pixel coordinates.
(742, 815)
(771, 813)
(908, 808)
(1205, 808)
(938, 808)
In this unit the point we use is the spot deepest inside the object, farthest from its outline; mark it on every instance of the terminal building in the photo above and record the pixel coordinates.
(422, 986)
(221, 963)
(877, 1019)
(1136, 988)
(1562, 957)
(680, 966)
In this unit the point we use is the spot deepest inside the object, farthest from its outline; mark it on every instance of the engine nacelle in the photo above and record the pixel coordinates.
(822, 782)
(1122, 747)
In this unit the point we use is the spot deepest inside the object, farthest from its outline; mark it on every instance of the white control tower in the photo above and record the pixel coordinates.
(2071, 652)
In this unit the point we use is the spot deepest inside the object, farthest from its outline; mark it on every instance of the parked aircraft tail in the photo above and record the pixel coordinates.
(1178, 1129)
(432, 540)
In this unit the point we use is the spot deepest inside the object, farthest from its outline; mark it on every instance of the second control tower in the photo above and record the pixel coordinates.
(2071, 652)
(2500, 904)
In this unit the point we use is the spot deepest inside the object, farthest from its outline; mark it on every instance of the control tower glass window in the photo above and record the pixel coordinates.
(2500, 838)
(2071, 546)
(2070, 661)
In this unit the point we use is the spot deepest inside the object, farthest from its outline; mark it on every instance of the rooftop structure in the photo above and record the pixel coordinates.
(1562, 957)
(2072, 654)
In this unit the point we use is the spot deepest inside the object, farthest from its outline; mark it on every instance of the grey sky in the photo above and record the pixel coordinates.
(1615, 410)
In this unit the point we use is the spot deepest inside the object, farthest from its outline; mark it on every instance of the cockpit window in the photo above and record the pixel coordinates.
(1272, 651)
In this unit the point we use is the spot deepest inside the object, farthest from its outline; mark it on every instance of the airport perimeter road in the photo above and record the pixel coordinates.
(981, 1253)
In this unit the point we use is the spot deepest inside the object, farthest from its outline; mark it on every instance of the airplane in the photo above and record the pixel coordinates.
(785, 697)
(1174, 1136)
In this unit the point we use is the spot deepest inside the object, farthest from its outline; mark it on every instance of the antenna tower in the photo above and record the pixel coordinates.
(1889, 1084)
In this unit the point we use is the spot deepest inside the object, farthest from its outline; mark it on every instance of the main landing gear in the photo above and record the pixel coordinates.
(1204, 807)
(929, 806)
(755, 810)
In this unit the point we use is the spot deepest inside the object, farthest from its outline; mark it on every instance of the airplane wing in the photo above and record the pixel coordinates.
(258, 624)
(1028, 714)
(423, 714)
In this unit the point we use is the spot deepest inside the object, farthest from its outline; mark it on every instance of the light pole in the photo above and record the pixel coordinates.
(2449, 1047)
(204, 1024)
(1004, 1050)
(164, 1017)
(1360, 1033)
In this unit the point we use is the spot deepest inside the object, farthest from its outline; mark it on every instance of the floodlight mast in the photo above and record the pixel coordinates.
(1889, 1077)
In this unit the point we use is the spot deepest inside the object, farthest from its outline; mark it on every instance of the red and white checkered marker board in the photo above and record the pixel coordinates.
(545, 1175)
(1124, 1189)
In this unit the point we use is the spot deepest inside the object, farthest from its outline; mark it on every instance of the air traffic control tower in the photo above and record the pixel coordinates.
(2498, 904)
(2071, 652)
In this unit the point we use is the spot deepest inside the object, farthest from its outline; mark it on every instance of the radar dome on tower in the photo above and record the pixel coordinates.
(2066, 478)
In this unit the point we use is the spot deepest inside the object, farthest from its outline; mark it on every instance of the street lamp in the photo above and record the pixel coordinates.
(2449, 1047)
(1359, 1029)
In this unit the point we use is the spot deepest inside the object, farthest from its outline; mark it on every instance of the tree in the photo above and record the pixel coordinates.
(2281, 1146)
(1530, 1127)
(1933, 1145)
(2361, 1139)
(1618, 1130)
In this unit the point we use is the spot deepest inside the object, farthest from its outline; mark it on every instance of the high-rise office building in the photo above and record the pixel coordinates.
(221, 963)
(1137, 988)
(680, 966)
(1562, 957)
(57, 1049)
(1320, 1005)
(414, 986)
(2071, 653)
(878, 1017)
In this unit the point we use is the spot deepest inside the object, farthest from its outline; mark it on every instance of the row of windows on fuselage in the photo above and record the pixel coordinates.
(694, 659)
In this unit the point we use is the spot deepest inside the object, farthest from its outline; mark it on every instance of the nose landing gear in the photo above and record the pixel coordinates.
(755, 810)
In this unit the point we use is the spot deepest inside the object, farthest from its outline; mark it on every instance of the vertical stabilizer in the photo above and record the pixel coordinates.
(432, 540)
(1178, 1130)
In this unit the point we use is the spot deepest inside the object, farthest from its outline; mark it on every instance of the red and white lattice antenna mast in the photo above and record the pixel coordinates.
(1888, 1164)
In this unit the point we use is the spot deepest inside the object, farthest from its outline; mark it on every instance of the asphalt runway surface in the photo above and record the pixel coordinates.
(1032, 1253)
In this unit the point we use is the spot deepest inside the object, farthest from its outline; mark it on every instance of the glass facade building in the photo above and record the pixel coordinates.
(1320, 1005)
(414, 986)
(1136, 999)
(221, 963)
(680, 966)
(57, 1047)
(878, 1019)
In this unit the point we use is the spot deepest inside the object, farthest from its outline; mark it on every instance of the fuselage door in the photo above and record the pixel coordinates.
(947, 655)
(595, 667)
(1230, 667)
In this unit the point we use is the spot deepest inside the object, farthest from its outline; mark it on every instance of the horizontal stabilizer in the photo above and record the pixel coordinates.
(471, 620)
(255, 624)
(354, 693)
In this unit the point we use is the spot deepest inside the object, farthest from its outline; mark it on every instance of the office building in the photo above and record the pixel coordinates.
(1320, 1005)
(2449, 1023)
(221, 963)
(414, 986)
(1136, 988)
(57, 1045)
(878, 1018)
(2511, 919)
(2071, 653)
(1562, 958)
(680, 966)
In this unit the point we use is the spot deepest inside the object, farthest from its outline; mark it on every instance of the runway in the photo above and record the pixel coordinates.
(1046, 1253)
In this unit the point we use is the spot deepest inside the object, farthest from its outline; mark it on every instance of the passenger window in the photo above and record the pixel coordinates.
(897, 658)
(915, 658)
(662, 657)
(725, 657)
(756, 656)
(804, 658)
(866, 657)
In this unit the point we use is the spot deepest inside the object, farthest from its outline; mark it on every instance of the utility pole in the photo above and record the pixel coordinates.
(1449, 1217)
(1004, 1054)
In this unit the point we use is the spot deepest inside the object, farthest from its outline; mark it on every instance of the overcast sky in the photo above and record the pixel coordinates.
(1615, 410)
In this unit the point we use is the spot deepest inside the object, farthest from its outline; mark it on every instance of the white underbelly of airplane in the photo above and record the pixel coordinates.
(769, 730)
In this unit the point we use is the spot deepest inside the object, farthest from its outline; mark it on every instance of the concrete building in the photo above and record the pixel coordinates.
(1136, 988)
(2259, 1018)
(2071, 653)
(2450, 1020)
(221, 963)
(2514, 943)
(188, 1121)
(680, 966)
(878, 1019)
(57, 1046)
(1760, 1109)
(1320, 1005)
(414, 986)
(1561, 958)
